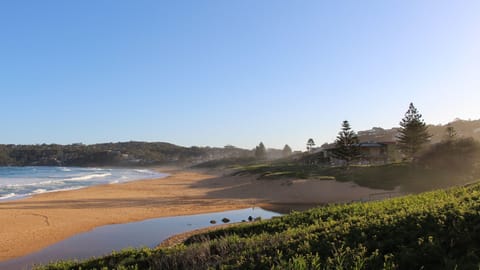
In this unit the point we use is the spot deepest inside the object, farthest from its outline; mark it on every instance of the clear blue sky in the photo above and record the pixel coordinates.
(231, 72)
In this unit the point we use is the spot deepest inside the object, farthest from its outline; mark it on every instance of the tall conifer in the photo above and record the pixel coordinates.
(413, 132)
(346, 144)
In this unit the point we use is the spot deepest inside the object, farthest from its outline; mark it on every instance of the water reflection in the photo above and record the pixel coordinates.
(148, 233)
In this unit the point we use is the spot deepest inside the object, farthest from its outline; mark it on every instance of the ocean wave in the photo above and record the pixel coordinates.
(57, 181)
(18, 183)
(22, 185)
(96, 169)
(88, 177)
(34, 184)
(46, 183)
(7, 196)
(144, 171)
(41, 190)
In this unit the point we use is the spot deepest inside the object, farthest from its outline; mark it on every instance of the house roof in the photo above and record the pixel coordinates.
(371, 144)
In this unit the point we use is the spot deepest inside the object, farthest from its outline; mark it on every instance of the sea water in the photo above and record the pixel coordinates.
(19, 182)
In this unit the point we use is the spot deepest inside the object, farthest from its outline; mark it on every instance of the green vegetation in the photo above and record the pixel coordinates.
(346, 144)
(287, 151)
(450, 133)
(453, 156)
(450, 162)
(413, 134)
(261, 151)
(409, 178)
(434, 230)
(445, 164)
(310, 144)
(226, 163)
(463, 128)
(113, 154)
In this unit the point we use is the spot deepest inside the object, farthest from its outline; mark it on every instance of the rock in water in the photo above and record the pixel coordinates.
(225, 220)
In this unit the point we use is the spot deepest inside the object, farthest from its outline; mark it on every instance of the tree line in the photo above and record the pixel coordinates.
(411, 139)
(413, 135)
(112, 154)
(260, 151)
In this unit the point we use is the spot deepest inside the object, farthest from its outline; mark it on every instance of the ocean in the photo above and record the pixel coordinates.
(19, 182)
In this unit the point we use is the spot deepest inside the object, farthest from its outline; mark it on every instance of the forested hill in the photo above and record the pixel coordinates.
(113, 154)
(463, 128)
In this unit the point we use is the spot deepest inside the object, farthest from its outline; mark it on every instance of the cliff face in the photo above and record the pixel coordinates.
(112, 154)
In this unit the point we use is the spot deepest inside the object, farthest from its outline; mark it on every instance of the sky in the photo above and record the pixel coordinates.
(231, 72)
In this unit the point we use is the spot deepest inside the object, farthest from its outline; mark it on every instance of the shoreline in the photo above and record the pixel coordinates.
(31, 224)
(89, 176)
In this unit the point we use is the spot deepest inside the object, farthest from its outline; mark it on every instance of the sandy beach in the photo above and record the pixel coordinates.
(30, 224)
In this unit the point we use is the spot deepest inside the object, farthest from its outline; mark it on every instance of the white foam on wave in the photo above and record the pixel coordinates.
(34, 184)
(96, 169)
(41, 191)
(25, 183)
(58, 180)
(49, 182)
(60, 189)
(144, 171)
(41, 183)
(88, 177)
(7, 196)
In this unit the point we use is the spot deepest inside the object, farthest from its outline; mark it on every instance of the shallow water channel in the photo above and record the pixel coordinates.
(148, 233)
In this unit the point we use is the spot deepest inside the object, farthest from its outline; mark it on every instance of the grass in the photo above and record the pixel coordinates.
(387, 177)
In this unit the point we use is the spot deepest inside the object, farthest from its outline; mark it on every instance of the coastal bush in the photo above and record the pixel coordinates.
(433, 230)
(452, 155)
(114, 154)
(422, 176)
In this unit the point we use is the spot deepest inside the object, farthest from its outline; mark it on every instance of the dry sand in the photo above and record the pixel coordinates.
(31, 224)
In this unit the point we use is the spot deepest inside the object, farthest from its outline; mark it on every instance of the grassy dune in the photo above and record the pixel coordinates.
(433, 230)
(408, 177)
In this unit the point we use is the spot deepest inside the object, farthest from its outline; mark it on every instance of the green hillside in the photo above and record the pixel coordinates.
(113, 154)
(434, 230)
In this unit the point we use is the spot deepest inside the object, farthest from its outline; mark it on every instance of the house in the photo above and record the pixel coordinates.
(370, 153)
(378, 152)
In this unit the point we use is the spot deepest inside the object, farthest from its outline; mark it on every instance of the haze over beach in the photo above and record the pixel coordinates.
(239, 135)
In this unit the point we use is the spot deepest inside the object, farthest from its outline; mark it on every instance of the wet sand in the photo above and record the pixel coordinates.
(31, 224)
